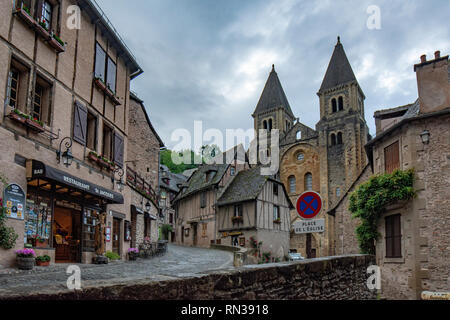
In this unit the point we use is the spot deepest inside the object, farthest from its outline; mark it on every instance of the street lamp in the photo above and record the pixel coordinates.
(148, 206)
(66, 155)
(425, 136)
(119, 182)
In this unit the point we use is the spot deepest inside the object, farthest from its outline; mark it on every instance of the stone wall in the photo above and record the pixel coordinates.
(334, 278)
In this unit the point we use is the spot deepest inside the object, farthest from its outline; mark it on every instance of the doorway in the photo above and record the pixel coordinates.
(67, 235)
(116, 236)
(194, 234)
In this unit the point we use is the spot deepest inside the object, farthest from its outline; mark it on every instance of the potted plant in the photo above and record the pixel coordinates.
(43, 261)
(133, 254)
(18, 116)
(25, 259)
(93, 156)
(277, 221)
(103, 162)
(40, 242)
(237, 219)
(42, 29)
(57, 43)
(35, 124)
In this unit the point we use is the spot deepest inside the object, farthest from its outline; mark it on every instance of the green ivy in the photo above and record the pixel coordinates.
(370, 200)
(165, 230)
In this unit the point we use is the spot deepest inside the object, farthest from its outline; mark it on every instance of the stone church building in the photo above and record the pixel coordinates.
(327, 159)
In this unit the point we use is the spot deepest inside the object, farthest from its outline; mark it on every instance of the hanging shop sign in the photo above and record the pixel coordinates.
(14, 201)
(309, 226)
(38, 170)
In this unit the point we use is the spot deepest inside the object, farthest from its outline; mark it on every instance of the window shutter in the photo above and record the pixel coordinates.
(80, 123)
(100, 63)
(118, 149)
(392, 157)
(111, 75)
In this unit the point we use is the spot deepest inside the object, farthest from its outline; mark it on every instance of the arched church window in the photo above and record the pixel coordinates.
(265, 125)
(341, 103)
(299, 135)
(339, 138)
(333, 139)
(308, 181)
(292, 184)
(270, 124)
(334, 105)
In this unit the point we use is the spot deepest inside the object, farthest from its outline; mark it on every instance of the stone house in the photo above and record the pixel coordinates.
(169, 185)
(413, 248)
(327, 159)
(255, 208)
(75, 91)
(142, 163)
(195, 204)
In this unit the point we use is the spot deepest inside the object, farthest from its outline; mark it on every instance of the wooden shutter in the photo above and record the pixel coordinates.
(80, 123)
(118, 149)
(111, 75)
(392, 157)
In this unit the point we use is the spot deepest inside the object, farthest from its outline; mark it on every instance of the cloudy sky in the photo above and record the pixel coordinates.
(208, 60)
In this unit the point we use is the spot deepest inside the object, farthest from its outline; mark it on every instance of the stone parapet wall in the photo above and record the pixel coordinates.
(330, 278)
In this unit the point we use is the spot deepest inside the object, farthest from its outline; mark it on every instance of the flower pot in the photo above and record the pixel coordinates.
(42, 263)
(25, 17)
(25, 263)
(33, 125)
(56, 45)
(17, 118)
(102, 163)
(93, 157)
(40, 244)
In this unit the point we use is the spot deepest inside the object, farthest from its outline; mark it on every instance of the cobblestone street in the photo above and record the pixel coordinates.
(178, 262)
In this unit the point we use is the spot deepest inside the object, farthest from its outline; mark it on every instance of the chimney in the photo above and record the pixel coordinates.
(433, 83)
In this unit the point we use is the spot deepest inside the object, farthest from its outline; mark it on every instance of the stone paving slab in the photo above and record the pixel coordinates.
(179, 262)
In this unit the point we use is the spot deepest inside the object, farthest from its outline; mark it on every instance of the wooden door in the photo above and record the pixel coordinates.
(116, 236)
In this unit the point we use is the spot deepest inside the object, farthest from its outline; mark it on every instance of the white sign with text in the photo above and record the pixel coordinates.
(309, 226)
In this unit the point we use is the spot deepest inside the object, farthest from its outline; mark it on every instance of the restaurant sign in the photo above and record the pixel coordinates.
(231, 234)
(14, 201)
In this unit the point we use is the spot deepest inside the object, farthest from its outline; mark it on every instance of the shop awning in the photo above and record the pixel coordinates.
(39, 170)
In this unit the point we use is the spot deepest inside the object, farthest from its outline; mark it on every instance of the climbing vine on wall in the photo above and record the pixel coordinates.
(370, 200)
(8, 236)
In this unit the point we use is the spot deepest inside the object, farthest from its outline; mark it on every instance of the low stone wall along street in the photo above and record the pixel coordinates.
(329, 278)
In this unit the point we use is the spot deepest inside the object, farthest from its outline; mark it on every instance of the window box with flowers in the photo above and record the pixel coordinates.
(277, 221)
(25, 14)
(43, 261)
(114, 99)
(237, 219)
(25, 259)
(100, 84)
(41, 28)
(57, 43)
(30, 122)
(39, 242)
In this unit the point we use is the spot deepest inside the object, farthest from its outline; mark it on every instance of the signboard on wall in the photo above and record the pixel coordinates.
(14, 201)
(309, 226)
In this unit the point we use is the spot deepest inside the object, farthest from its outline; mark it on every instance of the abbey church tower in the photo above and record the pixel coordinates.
(342, 129)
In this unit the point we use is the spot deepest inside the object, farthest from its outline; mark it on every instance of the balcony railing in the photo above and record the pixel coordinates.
(139, 184)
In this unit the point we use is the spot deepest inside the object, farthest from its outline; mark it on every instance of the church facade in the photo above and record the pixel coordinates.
(327, 159)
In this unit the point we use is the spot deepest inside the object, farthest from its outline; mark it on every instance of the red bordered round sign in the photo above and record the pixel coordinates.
(309, 205)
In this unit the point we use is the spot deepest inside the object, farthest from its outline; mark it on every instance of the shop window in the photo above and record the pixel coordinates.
(17, 86)
(276, 213)
(275, 189)
(308, 181)
(90, 219)
(38, 220)
(203, 200)
(100, 63)
(393, 236)
(41, 100)
(91, 131)
(238, 210)
(292, 184)
(107, 142)
(392, 157)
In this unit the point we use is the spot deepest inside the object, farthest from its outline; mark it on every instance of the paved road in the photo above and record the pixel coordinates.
(178, 262)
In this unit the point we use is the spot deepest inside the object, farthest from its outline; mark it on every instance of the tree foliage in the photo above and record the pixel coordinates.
(370, 200)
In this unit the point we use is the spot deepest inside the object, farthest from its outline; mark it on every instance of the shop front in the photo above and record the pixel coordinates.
(65, 216)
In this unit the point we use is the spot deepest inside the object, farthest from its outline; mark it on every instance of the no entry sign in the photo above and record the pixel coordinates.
(309, 205)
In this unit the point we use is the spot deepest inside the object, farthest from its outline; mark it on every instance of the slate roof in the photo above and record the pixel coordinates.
(198, 181)
(273, 95)
(174, 179)
(339, 70)
(246, 186)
